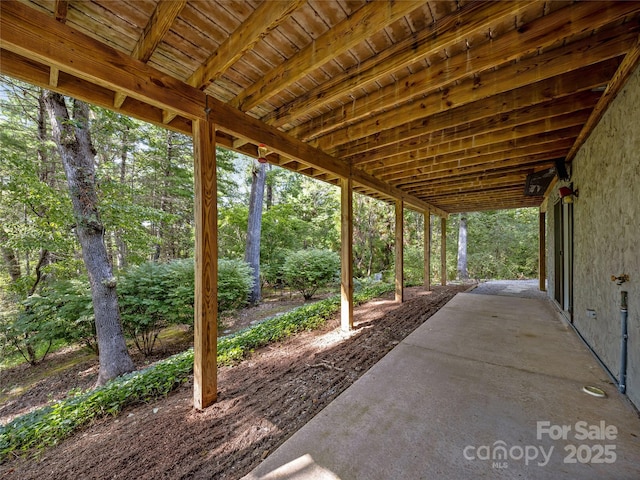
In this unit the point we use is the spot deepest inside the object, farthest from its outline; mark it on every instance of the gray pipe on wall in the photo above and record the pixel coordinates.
(622, 382)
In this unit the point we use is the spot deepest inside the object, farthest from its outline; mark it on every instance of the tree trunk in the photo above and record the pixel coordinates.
(462, 248)
(269, 200)
(10, 258)
(121, 246)
(254, 227)
(78, 156)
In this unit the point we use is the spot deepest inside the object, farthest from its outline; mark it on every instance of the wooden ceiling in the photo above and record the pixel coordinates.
(446, 104)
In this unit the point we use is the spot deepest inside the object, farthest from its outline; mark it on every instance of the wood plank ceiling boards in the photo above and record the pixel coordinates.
(444, 105)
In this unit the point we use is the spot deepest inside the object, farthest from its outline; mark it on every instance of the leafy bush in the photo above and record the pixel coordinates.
(28, 335)
(70, 301)
(50, 424)
(144, 297)
(308, 270)
(154, 295)
(235, 280)
(62, 312)
(413, 265)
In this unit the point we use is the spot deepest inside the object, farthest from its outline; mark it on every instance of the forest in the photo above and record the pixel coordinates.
(145, 205)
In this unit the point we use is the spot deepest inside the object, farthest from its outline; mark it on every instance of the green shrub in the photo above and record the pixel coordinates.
(235, 280)
(308, 270)
(143, 296)
(61, 313)
(50, 424)
(413, 265)
(154, 295)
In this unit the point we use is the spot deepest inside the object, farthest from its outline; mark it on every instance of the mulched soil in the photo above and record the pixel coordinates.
(261, 402)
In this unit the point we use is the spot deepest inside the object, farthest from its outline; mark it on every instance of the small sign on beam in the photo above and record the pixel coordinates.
(538, 182)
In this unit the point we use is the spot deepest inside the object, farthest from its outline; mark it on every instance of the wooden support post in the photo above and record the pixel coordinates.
(427, 249)
(399, 251)
(443, 251)
(346, 254)
(542, 251)
(205, 381)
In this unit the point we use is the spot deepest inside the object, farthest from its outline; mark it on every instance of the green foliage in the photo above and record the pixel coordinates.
(234, 284)
(50, 424)
(373, 236)
(413, 265)
(32, 328)
(61, 313)
(153, 295)
(503, 244)
(308, 270)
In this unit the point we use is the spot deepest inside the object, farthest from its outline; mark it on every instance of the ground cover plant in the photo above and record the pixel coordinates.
(50, 424)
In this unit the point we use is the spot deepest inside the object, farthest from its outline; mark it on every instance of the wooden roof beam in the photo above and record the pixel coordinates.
(521, 159)
(38, 74)
(60, 10)
(503, 148)
(478, 164)
(154, 31)
(348, 33)
(473, 17)
(467, 103)
(517, 180)
(499, 52)
(513, 173)
(627, 67)
(37, 37)
(509, 137)
(265, 18)
(371, 110)
(442, 127)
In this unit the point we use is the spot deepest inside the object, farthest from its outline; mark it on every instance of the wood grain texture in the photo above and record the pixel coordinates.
(399, 251)
(443, 251)
(205, 330)
(346, 254)
(347, 34)
(371, 91)
(427, 250)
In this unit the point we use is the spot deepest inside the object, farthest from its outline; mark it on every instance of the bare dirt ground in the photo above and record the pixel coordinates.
(261, 402)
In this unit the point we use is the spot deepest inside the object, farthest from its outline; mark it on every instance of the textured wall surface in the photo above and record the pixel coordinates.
(607, 233)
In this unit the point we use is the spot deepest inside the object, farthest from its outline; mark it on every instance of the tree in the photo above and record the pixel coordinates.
(72, 137)
(254, 227)
(462, 272)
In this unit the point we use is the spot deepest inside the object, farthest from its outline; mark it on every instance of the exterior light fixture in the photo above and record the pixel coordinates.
(262, 153)
(567, 194)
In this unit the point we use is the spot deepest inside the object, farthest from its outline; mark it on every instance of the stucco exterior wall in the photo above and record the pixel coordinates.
(606, 172)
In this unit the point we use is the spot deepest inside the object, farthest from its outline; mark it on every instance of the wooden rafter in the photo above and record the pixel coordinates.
(445, 72)
(21, 32)
(265, 18)
(60, 10)
(400, 156)
(519, 158)
(627, 67)
(350, 32)
(466, 103)
(473, 17)
(441, 104)
(412, 135)
(154, 31)
(424, 158)
(524, 73)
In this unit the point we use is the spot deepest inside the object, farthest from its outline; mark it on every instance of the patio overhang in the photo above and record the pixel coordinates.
(445, 105)
(440, 106)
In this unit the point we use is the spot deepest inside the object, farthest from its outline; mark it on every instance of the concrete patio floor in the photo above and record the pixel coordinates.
(489, 387)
